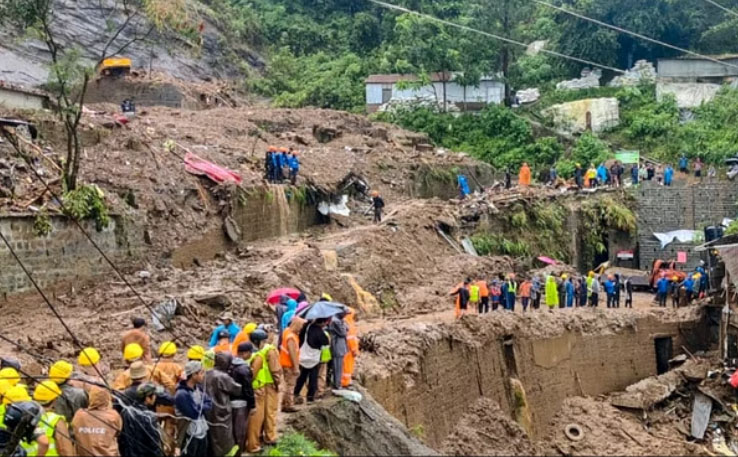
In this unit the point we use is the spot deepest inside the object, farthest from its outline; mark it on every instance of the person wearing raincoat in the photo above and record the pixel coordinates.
(352, 340)
(524, 176)
(289, 314)
(552, 293)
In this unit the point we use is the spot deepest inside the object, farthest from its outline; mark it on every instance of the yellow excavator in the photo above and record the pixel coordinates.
(114, 67)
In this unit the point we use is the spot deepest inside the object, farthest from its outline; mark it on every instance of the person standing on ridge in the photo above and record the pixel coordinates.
(579, 176)
(524, 176)
(483, 296)
(662, 289)
(463, 186)
(668, 175)
(462, 298)
(552, 293)
(683, 164)
(377, 206)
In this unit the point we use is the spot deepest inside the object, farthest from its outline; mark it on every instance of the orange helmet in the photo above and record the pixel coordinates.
(295, 152)
(271, 149)
(283, 149)
(375, 193)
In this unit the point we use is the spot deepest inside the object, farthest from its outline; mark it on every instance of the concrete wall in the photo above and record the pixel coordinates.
(693, 68)
(261, 213)
(687, 94)
(663, 209)
(452, 375)
(10, 98)
(572, 116)
(64, 256)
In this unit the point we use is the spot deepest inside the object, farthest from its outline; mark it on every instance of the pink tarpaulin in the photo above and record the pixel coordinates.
(548, 260)
(198, 166)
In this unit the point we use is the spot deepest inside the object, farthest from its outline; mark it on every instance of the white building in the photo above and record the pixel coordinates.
(383, 89)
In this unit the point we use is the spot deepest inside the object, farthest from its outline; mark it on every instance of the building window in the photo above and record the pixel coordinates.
(386, 94)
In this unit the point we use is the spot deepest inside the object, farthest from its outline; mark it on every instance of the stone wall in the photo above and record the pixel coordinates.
(451, 375)
(688, 207)
(258, 213)
(64, 256)
(440, 181)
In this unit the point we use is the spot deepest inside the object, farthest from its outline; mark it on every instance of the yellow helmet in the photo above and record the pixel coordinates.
(250, 327)
(167, 349)
(195, 352)
(60, 371)
(132, 352)
(46, 392)
(675, 278)
(16, 394)
(591, 274)
(88, 357)
(4, 386)
(564, 276)
(10, 375)
(326, 297)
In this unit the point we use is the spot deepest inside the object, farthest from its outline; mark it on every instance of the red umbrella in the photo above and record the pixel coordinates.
(273, 297)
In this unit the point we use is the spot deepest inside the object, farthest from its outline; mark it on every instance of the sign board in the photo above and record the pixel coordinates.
(681, 257)
(628, 156)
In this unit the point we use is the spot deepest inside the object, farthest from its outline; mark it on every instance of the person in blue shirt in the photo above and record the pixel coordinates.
(662, 289)
(227, 325)
(703, 279)
(274, 168)
(602, 174)
(668, 175)
(463, 186)
(683, 163)
(634, 174)
(569, 293)
(610, 291)
(689, 287)
(281, 163)
(294, 164)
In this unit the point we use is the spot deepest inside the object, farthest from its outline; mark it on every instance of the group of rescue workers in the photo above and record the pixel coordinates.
(566, 291)
(221, 402)
(281, 163)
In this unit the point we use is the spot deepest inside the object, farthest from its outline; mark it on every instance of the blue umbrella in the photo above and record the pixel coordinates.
(322, 310)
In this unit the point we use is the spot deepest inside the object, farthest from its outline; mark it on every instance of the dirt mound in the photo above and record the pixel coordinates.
(487, 430)
(610, 431)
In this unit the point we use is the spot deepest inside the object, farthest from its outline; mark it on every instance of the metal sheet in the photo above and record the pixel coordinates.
(700, 414)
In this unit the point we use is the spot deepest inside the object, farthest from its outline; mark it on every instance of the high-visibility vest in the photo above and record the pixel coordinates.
(325, 351)
(474, 293)
(590, 280)
(284, 353)
(47, 424)
(264, 376)
(512, 287)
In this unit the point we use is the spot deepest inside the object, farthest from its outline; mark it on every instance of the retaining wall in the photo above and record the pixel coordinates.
(453, 374)
(65, 255)
(682, 206)
(441, 181)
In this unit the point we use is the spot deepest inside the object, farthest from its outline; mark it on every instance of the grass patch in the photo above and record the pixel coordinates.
(295, 444)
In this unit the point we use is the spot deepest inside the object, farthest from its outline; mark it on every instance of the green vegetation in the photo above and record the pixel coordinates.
(87, 202)
(489, 244)
(42, 224)
(598, 217)
(295, 444)
(732, 228)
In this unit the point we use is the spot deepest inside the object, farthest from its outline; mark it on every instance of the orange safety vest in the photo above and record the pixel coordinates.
(284, 354)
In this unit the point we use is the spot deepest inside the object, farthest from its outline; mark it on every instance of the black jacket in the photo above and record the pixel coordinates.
(241, 373)
(140, 434)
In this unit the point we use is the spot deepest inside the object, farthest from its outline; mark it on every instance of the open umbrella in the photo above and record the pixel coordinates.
(273, 297)
(547, 260)
(322, 310)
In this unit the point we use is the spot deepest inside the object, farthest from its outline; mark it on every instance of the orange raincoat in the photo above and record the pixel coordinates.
(524, 177)
(352, 340)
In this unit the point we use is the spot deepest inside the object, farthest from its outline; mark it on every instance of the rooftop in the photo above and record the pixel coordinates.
(398, 77)
(693, 57)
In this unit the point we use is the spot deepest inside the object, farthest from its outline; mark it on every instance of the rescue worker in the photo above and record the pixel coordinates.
(462, 298)
(274, 165)
(54, 426)
(552, 293)
(535, 292)
(166, 363)
(592, 177)
(242, 337)
(525, 291)
(703, 281)
(269, 164)
(137, 373)
(602, 174)
(675, 291)
(140, 432)
(227, 324)
(243, 403)
(19, 394)
(463, 186)
(668, 175)
(192, 403)
(579, 176)
(561, 287)
(483, 296)
(628, 292)
(377, 206)
(10, 375)
(582, 292)
(688, 284)
(294, 165)
(138, 336)
(594, 296)
(352, 340)
(508, 178)
(72, 398)
(474, 295)
(134, 353)
(325, 359)
(610, 291)
(289, 360)
(224, 343)
(524, 175)
(89, 366)
(570, 292)
(338, 330)
(267, 380)
(512, 292)
(195, 353)
(97, 427)
(220, 387)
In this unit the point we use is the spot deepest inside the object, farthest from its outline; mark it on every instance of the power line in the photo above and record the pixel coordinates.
(727, 10)
(491, 35)
(635, 34)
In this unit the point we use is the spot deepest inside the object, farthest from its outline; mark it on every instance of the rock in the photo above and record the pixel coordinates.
(642, 71)
(325, 134)
(528, 95)
(589, 79)
(215, 301)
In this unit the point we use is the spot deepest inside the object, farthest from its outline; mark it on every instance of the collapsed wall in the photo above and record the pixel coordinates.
(429, 375)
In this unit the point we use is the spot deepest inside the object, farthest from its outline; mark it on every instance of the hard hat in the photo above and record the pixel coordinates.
(283, 149)
(258, 336)
(271, 149)
(326, 297)
(16, 394)
(591, 273)
(375, 193)
(88, 357)
(579, 164)
(249, 328)
(46, 392)
(564, 276)
(208, 359)
(4, 386)
(295, 152)
(167, 348)
(675, 278)
(10, 375)
(195, 352)
(132, 352)
(60, 371)
(697, 276)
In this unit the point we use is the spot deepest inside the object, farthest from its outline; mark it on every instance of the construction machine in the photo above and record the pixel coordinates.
(668, 268)
(114, 66)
